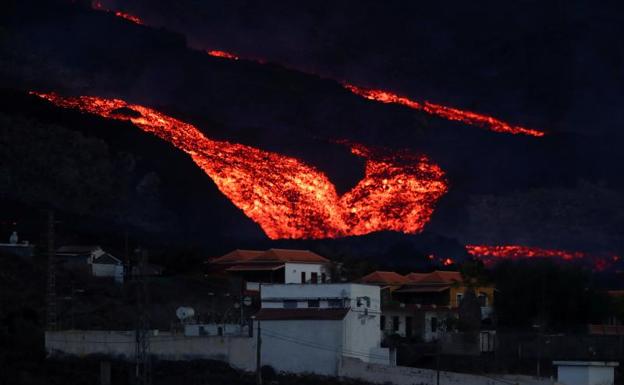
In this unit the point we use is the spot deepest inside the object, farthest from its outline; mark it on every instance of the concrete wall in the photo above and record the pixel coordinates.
(302, 346)
(400, 375)
(362, 334)
(240, 352)
(292, 271)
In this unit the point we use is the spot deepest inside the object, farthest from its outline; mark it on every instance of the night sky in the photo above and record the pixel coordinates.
(550, 66)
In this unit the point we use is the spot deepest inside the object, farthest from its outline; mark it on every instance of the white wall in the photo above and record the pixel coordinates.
(362, 334)
(105, 270)
(302, 346)
(401, 375)
(596, 374)
(240, 352)
(292, 271)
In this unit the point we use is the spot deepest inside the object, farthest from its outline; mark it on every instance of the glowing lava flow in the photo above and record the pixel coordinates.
(449, 113)
(97, 5)
(286, 197)
(490, 254)
(222, 54)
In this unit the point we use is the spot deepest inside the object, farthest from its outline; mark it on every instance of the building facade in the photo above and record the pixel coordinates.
(310, 328)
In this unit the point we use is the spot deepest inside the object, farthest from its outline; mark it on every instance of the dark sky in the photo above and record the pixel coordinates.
(554, 65)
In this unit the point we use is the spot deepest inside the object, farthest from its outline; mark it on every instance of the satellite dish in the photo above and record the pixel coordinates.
(184, 313)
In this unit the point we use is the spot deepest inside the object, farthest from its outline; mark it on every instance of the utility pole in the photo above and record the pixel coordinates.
(51, 287)
(438, 362)
(143, 365)
(258, 355)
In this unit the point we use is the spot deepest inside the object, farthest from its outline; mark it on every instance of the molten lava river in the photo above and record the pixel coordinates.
(286, 197)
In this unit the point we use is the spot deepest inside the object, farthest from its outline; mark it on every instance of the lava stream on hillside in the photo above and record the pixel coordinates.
(286, 197)
(491, 254)
(449, 113)
(97, 5)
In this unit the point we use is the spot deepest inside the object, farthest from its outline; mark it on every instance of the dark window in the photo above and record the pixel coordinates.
(482, 299)
(434, 324)
(395, 323)
(408, 326)
(220, 331)
(314, 278)
(290, 304)
(303, 278)
(334, 302)
(382, 323)
(323, 278)
(314, 303)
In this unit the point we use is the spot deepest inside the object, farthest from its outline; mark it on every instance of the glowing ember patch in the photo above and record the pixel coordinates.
(449, 113)
(97, 5)
(490, 254)
(286, 197)
(222, 54)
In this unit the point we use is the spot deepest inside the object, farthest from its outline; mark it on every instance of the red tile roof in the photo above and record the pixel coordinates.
(236, 256)
(271, 255)
(438, 276)
(384, 278)
(611, 330)
(301, 314)
(256, 267)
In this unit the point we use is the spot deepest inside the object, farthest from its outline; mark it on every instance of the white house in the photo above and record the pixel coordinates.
(585, 372)
(274, 266)
(311, 328)
(105, 265)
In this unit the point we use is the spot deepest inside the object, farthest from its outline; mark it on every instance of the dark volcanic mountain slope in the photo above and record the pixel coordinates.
(62, 47)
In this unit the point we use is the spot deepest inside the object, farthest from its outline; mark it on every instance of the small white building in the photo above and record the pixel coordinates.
(310, 328)
(585, 372)
(105, 265)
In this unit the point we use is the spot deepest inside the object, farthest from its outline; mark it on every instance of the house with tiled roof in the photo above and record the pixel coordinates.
(424, 301)
(274, 266)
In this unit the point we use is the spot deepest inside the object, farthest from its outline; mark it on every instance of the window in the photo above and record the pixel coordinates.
(483, 299)
(314, 278)
(334, 302)
(460, 296)
(382, 322)
(290, 304)
(408, 326)
(434, 324)
(323, 278)
(314, 303)
(395, 323)
(303, 277)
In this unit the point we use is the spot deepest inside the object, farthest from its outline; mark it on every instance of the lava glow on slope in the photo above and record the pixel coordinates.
(449, 113)
(286, 197)
(97, 5)
(491, 254)
(222, 54)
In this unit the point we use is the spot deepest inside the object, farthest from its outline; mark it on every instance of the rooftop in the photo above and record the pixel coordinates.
(384, 278)
(268, 256)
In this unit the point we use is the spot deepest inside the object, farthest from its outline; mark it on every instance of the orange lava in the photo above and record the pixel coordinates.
(489, 254)
(97, 5)
(222, 54)
(515, 251)
(286, 197)
(449, 113)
